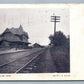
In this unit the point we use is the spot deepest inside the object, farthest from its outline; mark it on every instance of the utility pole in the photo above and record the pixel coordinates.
(55, 19)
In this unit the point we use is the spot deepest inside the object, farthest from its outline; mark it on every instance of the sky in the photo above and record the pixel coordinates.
(35, 21)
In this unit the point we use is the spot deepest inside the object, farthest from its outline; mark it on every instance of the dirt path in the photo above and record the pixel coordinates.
(48, 63)
(45, 64)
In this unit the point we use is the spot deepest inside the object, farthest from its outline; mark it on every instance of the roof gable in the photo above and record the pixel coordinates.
(17, 31)
(7, 30)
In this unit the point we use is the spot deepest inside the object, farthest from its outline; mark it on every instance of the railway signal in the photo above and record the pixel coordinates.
(55, 19)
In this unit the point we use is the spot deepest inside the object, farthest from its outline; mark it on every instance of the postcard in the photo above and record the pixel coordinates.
(41, 42)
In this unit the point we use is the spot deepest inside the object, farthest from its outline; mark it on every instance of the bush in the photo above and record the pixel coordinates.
(59, 39)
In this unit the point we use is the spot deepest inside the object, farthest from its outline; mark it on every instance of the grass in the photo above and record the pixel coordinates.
(61, 58)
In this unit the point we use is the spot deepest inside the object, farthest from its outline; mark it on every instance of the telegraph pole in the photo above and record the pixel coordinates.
(55, 19)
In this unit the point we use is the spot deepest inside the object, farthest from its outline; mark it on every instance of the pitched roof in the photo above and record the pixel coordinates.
(17, 31)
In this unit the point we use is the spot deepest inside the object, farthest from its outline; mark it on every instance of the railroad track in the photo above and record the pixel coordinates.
(19, 64)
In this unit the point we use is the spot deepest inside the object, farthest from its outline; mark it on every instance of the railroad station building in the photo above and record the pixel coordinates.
(14, 38)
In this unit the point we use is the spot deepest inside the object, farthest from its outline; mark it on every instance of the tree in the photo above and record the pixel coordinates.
(58, 39)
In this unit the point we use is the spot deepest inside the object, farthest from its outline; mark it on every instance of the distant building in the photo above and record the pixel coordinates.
(14, 38)
(36, 45)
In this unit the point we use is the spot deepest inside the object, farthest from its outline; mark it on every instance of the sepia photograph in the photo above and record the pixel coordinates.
(34, 40)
